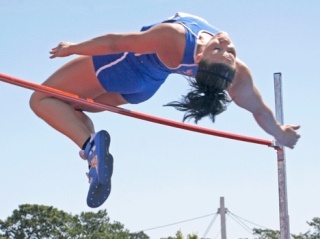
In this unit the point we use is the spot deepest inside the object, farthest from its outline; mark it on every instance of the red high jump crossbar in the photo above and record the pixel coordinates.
(89, 102)
(282, 185)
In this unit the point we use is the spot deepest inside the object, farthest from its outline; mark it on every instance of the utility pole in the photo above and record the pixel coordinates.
(222, 211)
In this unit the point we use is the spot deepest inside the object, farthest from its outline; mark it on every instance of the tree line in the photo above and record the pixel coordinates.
(33, 221)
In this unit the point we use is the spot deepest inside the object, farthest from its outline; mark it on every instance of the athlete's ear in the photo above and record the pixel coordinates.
(199, 57)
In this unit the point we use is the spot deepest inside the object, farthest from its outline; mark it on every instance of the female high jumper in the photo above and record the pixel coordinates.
(117, 69)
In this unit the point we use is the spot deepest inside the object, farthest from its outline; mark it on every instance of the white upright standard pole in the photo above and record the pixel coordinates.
(282, 177)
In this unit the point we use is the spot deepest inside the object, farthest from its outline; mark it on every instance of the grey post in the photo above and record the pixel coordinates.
(282, 181)
(222, 210)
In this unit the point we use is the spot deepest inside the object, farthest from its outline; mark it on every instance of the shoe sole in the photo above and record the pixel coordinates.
(105, 159)
(98, 193)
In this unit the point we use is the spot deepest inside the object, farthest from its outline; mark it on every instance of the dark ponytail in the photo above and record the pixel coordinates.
(208, 96)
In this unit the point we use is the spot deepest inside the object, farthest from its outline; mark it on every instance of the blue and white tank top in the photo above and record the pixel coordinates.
(194, 26)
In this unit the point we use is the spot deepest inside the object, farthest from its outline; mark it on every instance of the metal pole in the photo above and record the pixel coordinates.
(222, 211)
(282, 181)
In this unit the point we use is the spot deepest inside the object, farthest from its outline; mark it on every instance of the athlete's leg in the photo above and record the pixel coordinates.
(76, 77)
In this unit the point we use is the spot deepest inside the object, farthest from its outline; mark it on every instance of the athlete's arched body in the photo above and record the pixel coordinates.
(117, 69)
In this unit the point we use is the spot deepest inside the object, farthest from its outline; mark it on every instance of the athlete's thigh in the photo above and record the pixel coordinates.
(77, 77)
(113, 99)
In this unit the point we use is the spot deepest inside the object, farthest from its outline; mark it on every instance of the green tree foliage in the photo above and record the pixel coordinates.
(179, 235)
(266, 234)
(139, 235)
(314, 233)
(192, 236)
(35, 221)
(38, 221)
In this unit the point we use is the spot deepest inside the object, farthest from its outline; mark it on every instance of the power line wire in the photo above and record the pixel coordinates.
(232, 215)
(244, 226)
(247, 220)
(219, 232)
(175, 223)
(210, 225)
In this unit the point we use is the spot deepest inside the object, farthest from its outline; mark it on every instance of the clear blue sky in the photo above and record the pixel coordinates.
(164, 175)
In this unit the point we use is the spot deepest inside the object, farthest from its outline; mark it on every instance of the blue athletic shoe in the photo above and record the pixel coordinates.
(101, 168)
(98, 156)
(98, 193)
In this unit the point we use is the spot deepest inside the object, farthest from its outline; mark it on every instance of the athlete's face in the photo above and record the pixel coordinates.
(220, 49)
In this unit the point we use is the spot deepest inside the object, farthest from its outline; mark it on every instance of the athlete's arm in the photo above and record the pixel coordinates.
(246, 95)
(154, 40)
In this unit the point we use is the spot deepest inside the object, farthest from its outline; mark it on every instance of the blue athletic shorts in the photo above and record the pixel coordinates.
(125, 74)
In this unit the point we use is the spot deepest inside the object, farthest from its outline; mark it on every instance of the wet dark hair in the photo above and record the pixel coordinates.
(208, 96)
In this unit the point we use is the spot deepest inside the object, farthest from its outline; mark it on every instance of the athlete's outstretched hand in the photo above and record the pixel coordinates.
(62, 50)
(289, 136)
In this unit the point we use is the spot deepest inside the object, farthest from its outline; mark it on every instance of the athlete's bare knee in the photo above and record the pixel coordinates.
(35, 101)
(32, 101)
